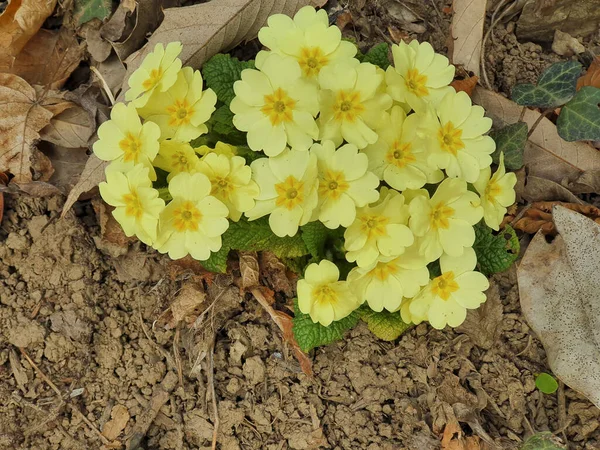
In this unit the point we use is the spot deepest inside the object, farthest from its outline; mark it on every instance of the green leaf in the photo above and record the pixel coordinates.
(555, 87)
(248, 154)
(86, 10)
(543, 441)
(378, 55)
(434, 269)
(546, 383)
(314, 235)
(385, 325)
(217, 262)
(221, 71)
(579, 120)
(310, 335)
(511, 140)
(495, 252)
(221, 127)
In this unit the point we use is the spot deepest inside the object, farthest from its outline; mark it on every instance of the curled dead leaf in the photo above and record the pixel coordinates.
(592, 76)
(71, 128)
(467, 85)
(539, 216)
(249, 270)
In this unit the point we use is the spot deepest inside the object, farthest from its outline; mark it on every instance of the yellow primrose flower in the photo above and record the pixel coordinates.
(157, 73)
(351, 106)
(221, 148)
(182, 111)
(276, 106)
(307, 38)
(456, 137)
(176, 157)
(136, 202)
(379, 229)
(385, 283)
(322, 296)
(445, 222)
(445, 300)
(231, 182)
(123, 139)
(193, 222)
(497, 193)
(344, 183)
(419, 75)
(288, 190)
(400, 156)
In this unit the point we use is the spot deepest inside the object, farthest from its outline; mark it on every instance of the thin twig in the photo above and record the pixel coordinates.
(523, 111)
(211, 386)
(538, 120)
(111, 97)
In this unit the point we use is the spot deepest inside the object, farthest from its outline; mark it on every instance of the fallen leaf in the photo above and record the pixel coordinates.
(208, 28)
(92, 176)
(398, 35)
(467, 31)
(119, 416)
(343, 19)
(592, 76)
(558, 287)
(467, 85)
(86, 10)
(539, 216)
(111, 231)
(189, 299)
(482, 325)
(546, 154)
(68, 163)
(453, 438)
(97, 46)
(18, 23)
(249, 269)
(588, 182)
(189, 265)
(118, 24)
(23, 113)
(48, 59)
(540, 189)
(285, 324)
(276, 274)
(71, 128)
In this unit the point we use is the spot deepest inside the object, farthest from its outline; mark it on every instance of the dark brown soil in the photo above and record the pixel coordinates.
(97, 327)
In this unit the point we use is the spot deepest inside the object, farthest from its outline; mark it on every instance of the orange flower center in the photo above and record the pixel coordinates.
(373, 226)
(312, 60)
(450, 138)
(400, 155)
(153, 79)
(186, 217)
(133, 205)
(324, 295)
(415, 82)
(290, 193)
(383, 270)
(180, 113)
(444, 285)
(347, 106)
(333, 185)
(279, 107)
(439, 216)
(131, 146)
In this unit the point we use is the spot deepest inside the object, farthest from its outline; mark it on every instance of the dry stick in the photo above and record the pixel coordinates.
(55, 389)
(538, 120)
(522, 113)
(111, 97)
(493, 23)
(211, 385)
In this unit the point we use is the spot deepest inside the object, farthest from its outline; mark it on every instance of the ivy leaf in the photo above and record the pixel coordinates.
(310, 335)
(543, 441)
(385, 325)
(378, 55)
(556, 86)
(86, 10)
(511, 140)
(546, 383)
(221, 71)
(579, 120)
(217, 262)
(495, 252)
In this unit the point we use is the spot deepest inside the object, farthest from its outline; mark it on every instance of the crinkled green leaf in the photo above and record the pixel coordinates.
(543, 441)
(556, 86)
(221, 127)
(434, 269)
(511, 140)
(546, 383)
(296, 265)
(385, 325)
(579, 120)
(310, 335)
(378, 55)
(248, 154)
(221, 71)
(86, 10)
(314, 235)
(217, 262)
(495, 252)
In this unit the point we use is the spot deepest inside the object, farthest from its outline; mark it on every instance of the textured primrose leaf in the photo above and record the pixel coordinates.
(556, 86)
(314, 235)
(543, 441)
(221, 126)
(378, 55)
(310, 335)
(495, 252)
(217, 262)
(220, 72)
(546, 383)
(86, 10)
(579, 120)
(385, 325)
(511, 140)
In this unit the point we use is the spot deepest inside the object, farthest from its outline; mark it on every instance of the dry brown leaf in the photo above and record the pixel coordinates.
(48, 59)
(592, 76)
(67, 163)
(453, 438)
(558, 290)
(146, 18)
(540, 189)
(208, 28)
(482, 325)
(539, 216)
(92, 176)
(110, 230)
(587, 183)
(398, 35)
(119, 416)
(546, 154)
(343, 19)
(18, 23)
(467, 32)
(249, 270)
(285, 324)
(276, 274)
(467, 85)
(72, 128)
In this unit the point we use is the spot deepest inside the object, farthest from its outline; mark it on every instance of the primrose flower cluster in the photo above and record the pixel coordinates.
(396, 157)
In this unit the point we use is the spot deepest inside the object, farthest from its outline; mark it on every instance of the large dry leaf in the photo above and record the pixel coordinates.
(92, 176)
(48, 58)
(558, 286)
(546, 154)
(71, 128)
(208, 28)
(467, 32)
(18, 23)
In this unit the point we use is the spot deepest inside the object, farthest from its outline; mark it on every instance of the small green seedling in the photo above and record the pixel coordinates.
(546, 383)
